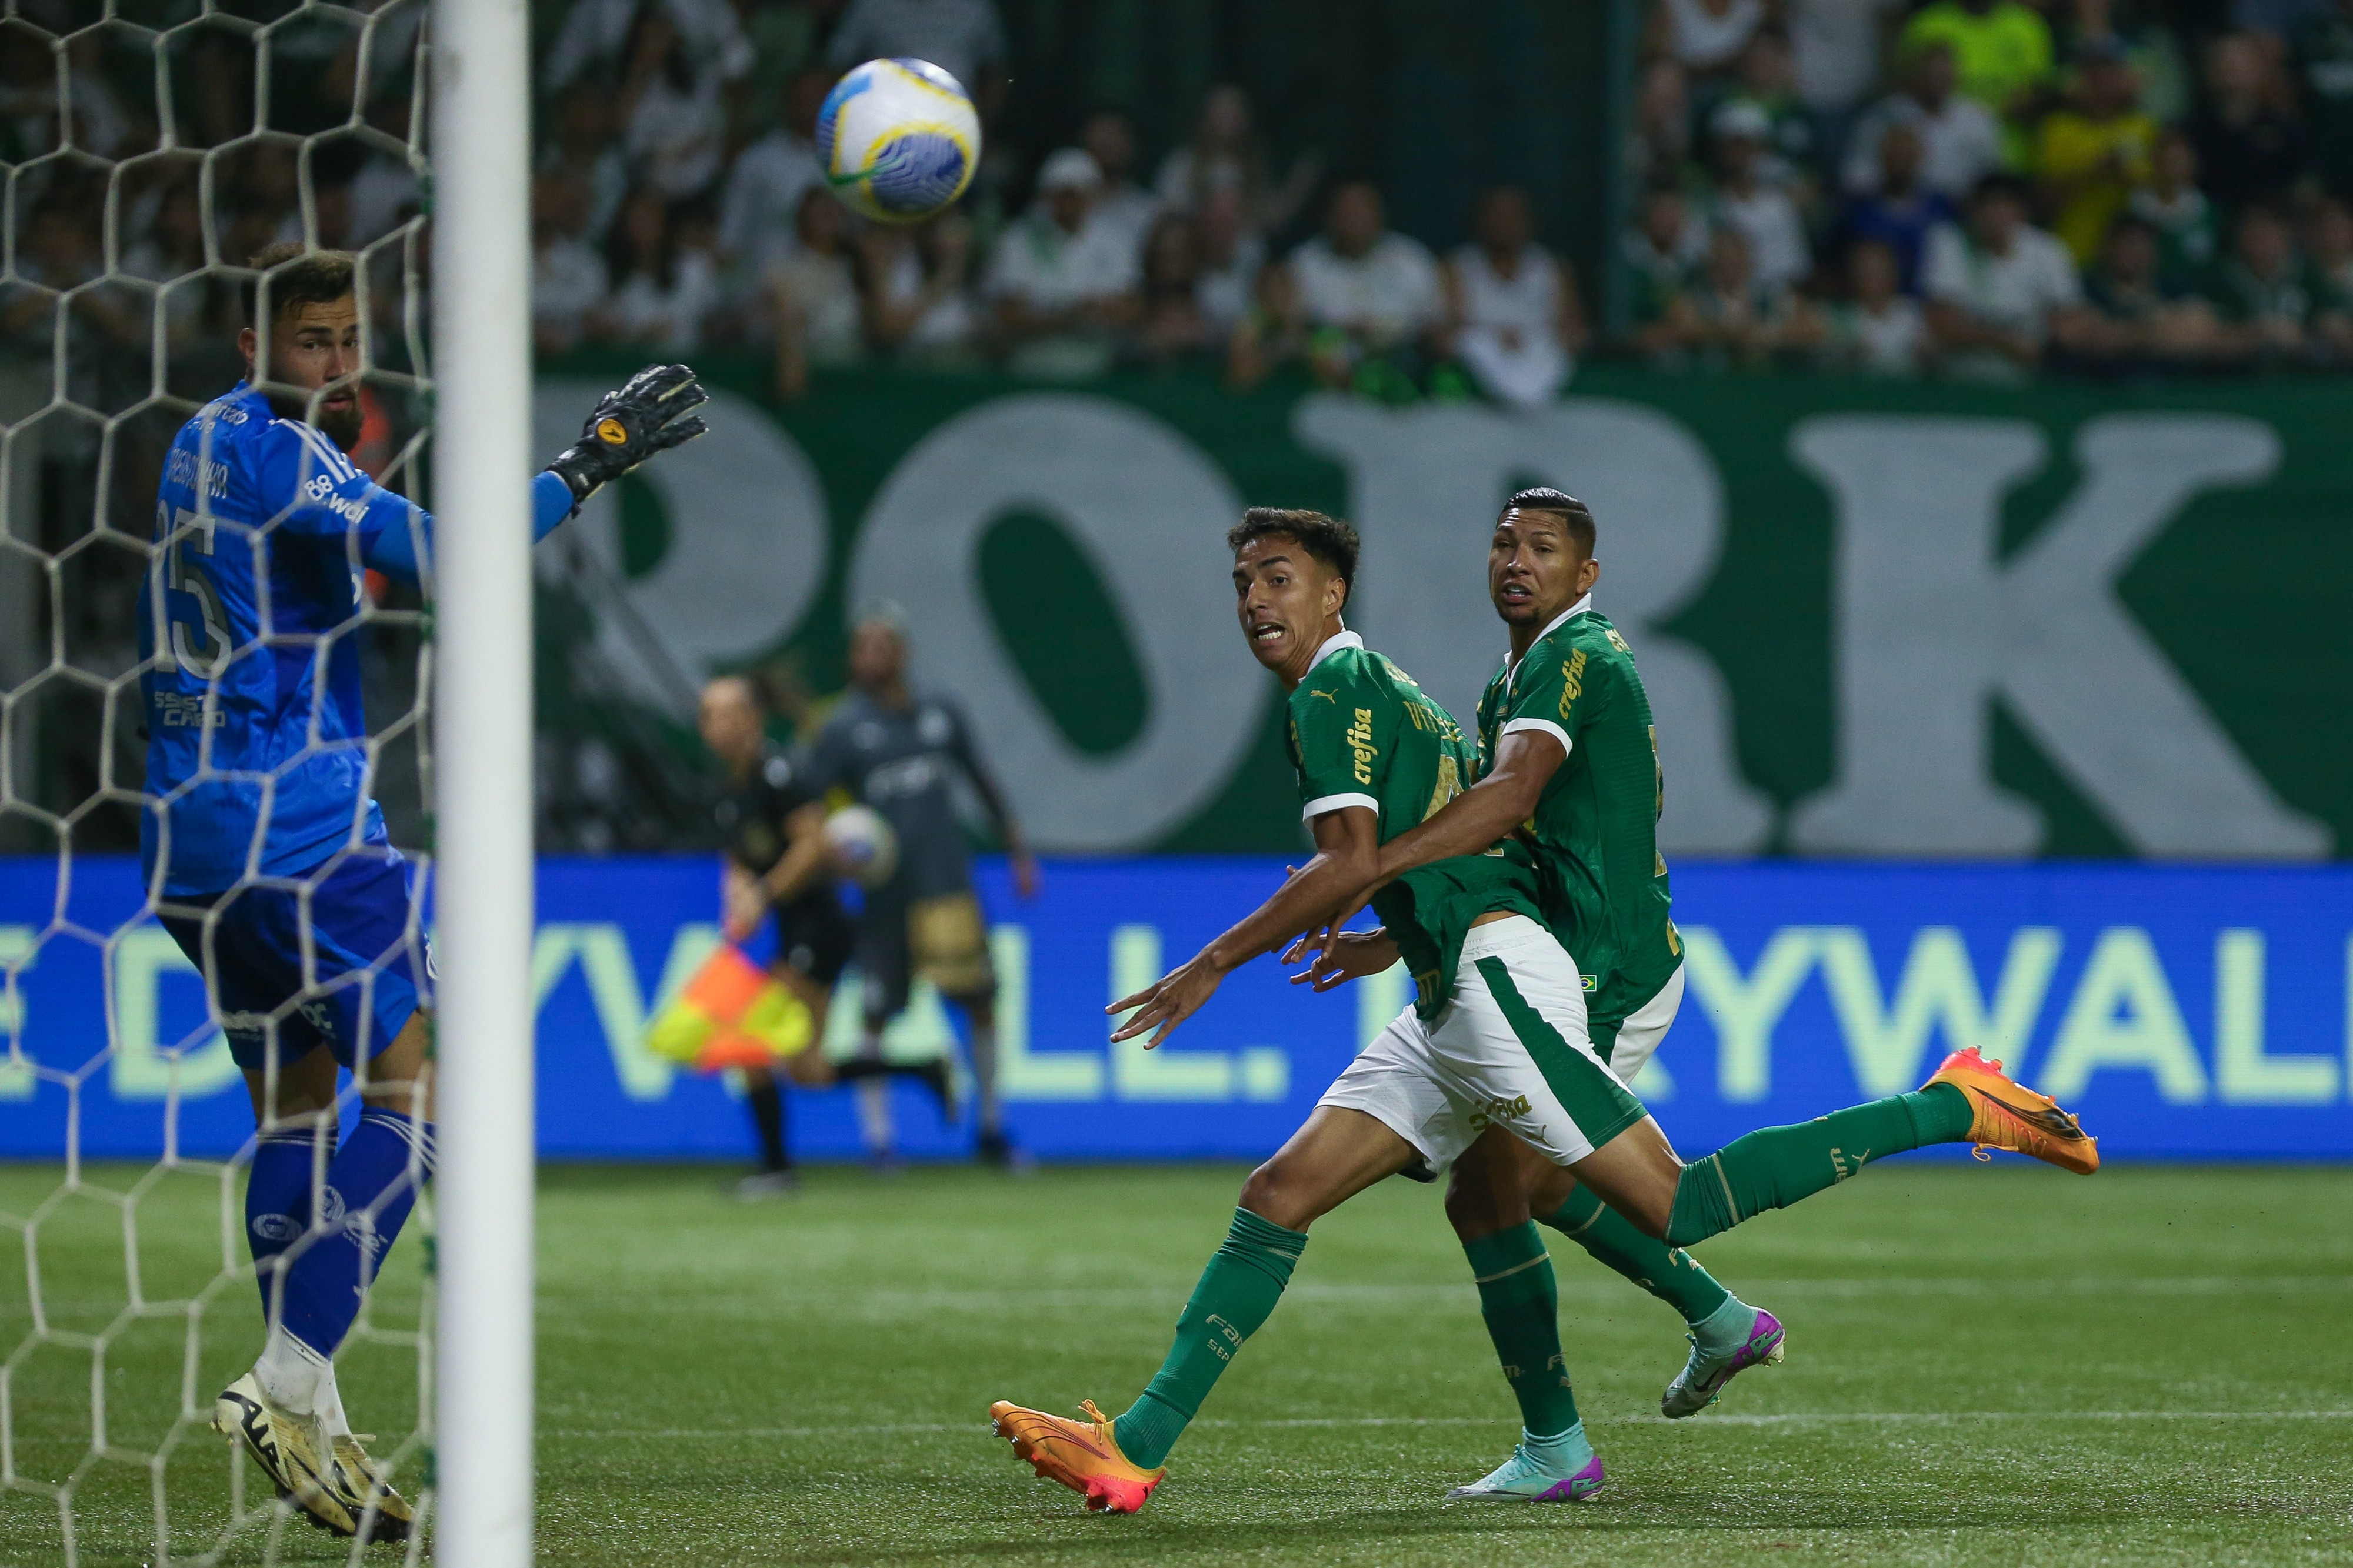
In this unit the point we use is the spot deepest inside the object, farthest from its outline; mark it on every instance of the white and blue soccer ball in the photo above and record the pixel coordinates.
(864, 847)
(898, 140)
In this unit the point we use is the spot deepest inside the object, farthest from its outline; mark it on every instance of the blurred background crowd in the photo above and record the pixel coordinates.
(1967, 188)
(1977, 188)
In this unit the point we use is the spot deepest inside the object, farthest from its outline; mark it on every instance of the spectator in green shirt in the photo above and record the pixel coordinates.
(2144, 319)
(2329, 258)
(2172, 204)
(2260, 289)
(2002, 51)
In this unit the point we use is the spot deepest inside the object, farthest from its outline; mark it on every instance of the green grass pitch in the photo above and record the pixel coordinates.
(2001, 1365)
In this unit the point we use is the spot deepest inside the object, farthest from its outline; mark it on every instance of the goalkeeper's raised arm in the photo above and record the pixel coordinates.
(306, 370)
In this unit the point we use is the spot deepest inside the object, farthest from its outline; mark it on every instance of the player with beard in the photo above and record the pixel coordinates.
(266, 857)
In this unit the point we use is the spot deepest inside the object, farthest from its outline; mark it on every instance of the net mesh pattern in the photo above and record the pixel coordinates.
(152, 147)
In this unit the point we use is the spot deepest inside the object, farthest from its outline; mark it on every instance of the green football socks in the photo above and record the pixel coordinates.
(1236, 1291)
(1775, 1166)
(1520, 1303)
(1670, 1273)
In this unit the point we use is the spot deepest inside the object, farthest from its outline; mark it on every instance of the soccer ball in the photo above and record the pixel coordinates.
(863, 845)
(898, 140)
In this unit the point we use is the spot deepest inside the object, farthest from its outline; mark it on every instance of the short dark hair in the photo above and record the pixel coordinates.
(294, 275)
(1575, 516)
(2005, 185)
(2259, 212)
(1331, 539)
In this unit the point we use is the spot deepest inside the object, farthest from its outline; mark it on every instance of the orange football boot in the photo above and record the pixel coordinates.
(2006, 1115)
(1083, 1454)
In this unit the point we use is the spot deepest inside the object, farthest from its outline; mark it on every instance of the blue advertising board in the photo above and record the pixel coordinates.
(2188, 1013)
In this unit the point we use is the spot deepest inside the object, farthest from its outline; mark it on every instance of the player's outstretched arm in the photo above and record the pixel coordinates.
(1346, 855)
(1470, 824)
(627, 426)
(649, 414)
(998, 809)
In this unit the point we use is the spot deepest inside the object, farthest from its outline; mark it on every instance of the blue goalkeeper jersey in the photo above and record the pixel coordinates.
(249, 632)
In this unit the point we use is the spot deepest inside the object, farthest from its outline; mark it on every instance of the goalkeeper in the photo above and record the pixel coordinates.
(268, 860)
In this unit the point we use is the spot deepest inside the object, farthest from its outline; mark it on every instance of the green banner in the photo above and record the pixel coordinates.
(1880, 619)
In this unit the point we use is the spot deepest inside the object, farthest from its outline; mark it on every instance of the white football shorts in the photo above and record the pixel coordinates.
(1509, 1049)
(1644, 1027)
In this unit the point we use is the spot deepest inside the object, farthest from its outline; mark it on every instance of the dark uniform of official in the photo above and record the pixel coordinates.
(925, 919)
(812, 933)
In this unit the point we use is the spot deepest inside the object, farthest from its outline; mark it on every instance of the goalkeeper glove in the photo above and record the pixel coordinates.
(630, 426)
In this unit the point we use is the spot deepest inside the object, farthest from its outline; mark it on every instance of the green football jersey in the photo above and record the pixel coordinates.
(1362, 733)
(1596, 827)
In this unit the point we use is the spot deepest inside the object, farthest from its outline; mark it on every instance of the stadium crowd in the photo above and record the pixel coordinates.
(1976, 187)
(1984, 187)
(1972, 188)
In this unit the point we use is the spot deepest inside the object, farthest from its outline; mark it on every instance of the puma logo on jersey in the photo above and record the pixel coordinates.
(1328, 697)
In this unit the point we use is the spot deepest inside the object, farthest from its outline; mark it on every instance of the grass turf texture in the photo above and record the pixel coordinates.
(1985, 1365)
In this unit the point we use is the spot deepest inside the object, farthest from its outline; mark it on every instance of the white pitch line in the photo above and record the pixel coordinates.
(1863, 1417)
(885, 1304)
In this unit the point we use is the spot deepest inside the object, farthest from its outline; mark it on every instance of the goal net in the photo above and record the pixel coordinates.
(153, 147)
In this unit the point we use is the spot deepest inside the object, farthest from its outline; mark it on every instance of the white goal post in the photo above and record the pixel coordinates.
(482, 788)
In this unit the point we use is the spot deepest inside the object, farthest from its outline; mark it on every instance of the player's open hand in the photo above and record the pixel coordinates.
(1336, 930)
(1340, 957)
(1167, 1001)
(649, 414)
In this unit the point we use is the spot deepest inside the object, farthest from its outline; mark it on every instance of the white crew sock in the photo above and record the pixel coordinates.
(295, 1377)
(984, 1069)
(874, 1098)
(331, 1407)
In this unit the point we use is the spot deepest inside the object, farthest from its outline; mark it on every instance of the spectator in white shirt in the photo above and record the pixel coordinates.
(1838, 44)
(1360, 289)
(584, 147)
(1062, 284)
(914, 278)
(963, 37)
(662, 289)
(170, 253)
(1518, 324)
(2000, 290)
(1172, 325)
(567, 277)
(1960, 139)
(1766, 214)
(1225, 153)
(759, 207)
(1659, 145)
(814, 293)
(1231, 253)
(1123, 205)
(1705, 36)
(593, 39)
(674, 124)
(1877, 329)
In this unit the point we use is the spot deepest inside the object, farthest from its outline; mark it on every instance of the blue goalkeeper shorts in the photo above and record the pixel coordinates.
(351, 988)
